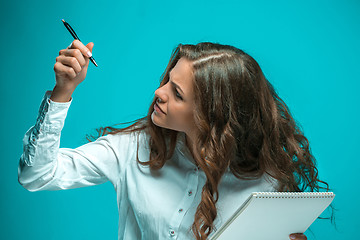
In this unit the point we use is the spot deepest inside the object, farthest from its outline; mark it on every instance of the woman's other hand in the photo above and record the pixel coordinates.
(297, 236)
(70, 69)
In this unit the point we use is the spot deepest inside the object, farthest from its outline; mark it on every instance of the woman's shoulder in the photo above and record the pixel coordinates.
(126, 137)
(271, 182)
(263, 183)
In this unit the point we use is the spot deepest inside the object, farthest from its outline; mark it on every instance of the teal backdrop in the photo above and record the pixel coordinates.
(309, 50)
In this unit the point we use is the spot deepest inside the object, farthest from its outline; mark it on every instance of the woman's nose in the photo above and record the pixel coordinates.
(161, 93)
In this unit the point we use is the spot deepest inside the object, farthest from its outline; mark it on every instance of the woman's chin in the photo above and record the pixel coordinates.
(155, 120)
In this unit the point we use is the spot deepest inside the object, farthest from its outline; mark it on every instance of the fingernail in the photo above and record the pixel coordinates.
(89, 53)
(292, 237)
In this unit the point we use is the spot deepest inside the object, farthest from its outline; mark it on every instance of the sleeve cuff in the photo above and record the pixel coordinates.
(56, 104)
(52, 114)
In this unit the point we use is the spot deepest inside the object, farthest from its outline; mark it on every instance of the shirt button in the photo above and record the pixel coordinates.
(190, 193)
(172, 233)
(180, 210)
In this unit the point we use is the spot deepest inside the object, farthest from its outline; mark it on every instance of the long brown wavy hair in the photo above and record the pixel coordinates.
(242, 123)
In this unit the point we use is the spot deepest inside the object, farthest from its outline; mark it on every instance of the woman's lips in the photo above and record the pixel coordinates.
(158, 109)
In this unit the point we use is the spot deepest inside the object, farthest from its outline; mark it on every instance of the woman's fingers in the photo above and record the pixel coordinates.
(75, 53)
(77, 50)
(64, 71)
(72, 62)
(76, 44)
(298, 236)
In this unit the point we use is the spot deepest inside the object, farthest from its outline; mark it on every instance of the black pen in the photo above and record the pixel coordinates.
(72, 32)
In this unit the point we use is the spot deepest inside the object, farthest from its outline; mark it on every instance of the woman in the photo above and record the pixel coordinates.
(215, 132)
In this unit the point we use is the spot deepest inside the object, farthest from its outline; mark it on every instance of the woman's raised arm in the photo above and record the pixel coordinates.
(43, 164)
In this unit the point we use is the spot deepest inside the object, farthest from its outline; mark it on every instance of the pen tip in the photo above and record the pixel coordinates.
(63, 20)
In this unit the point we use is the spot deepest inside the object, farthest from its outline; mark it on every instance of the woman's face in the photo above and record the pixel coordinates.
(175, 105)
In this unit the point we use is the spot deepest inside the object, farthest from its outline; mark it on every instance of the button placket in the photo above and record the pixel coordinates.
(188, 195)
(184, 204)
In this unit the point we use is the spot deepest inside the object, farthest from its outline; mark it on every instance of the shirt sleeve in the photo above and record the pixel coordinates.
(45, 166)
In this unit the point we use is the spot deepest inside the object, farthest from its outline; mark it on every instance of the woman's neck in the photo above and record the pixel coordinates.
(189, 142)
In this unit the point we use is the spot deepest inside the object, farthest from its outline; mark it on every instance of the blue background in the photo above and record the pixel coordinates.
(309, 50)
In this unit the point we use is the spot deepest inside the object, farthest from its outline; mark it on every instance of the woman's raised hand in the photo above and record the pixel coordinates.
(70, 69)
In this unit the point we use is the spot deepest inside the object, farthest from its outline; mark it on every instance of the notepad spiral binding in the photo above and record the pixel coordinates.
(293, 194)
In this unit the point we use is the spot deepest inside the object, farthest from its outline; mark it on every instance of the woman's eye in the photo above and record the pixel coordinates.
(177, 94)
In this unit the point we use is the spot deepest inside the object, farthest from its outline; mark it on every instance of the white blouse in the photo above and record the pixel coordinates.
(152, 205)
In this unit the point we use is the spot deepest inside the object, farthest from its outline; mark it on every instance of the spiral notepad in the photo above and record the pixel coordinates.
(274, 215)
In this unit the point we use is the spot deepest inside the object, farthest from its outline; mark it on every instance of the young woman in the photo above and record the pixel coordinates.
(215, 132)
